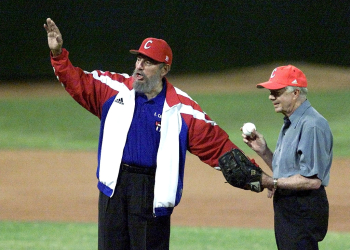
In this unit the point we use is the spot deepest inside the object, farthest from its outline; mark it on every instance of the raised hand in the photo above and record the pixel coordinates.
(54, 37)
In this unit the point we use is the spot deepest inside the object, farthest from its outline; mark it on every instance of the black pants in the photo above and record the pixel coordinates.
(301, 218)
(126, 220)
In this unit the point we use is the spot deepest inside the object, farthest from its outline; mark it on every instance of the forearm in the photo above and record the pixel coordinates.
(295, 182)
(266, 155)
(257, 143)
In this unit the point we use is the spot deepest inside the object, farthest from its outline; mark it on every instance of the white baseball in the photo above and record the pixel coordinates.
(248, 128)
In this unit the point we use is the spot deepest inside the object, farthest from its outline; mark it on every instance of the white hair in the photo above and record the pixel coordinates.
(303, 91)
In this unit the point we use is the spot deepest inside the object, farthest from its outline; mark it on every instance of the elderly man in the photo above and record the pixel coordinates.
(147, 125)
(300, 163)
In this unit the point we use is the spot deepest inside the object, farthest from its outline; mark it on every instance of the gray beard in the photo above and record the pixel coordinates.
(147, 86)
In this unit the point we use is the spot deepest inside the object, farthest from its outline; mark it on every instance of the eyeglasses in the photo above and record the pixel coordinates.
(277, 92)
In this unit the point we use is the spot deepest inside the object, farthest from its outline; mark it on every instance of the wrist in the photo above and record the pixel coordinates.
(56, 52)
(267, 181)
(275, 183)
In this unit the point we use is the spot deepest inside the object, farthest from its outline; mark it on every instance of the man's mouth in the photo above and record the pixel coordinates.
(139, 76)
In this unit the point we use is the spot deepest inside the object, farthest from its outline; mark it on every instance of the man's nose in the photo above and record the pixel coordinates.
(139, 64)
(272, 97)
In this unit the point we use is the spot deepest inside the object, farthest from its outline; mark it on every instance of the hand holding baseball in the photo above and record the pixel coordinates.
(254, 139)
(248, 128)
(54, 37)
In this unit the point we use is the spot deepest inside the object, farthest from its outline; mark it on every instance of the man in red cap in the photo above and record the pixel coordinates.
(147, 125)
(300, 163)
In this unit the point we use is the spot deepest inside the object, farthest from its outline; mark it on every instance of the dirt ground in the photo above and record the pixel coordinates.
(61, 186)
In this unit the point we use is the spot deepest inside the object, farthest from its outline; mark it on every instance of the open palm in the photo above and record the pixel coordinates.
(54, 36)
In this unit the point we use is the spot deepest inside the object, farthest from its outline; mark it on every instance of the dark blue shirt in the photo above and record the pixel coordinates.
(144, 134)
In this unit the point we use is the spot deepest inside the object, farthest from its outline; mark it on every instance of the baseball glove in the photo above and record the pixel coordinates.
(240, 172)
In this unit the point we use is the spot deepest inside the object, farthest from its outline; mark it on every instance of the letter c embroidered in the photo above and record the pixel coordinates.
(273, 73)
(146, 44)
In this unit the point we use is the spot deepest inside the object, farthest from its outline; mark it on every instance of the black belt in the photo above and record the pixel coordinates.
(137, 170)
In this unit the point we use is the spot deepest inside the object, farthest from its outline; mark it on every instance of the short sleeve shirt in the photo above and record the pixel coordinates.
(306, 147)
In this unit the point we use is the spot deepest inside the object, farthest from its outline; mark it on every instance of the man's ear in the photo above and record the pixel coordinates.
(296, 93)
(165, 69)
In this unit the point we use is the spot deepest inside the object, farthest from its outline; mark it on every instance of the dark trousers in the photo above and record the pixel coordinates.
(126, 222)
(301, 218)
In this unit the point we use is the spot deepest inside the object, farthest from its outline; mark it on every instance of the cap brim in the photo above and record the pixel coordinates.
(132, 51)
(136, 52)
(270, 85)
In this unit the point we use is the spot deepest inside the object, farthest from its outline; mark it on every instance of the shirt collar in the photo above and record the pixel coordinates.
(159, 99)
(299, 111)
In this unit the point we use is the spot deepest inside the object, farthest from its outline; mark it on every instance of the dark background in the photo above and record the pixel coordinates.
(205, 36)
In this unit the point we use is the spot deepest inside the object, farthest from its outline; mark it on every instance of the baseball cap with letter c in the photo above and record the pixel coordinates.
(284, 76)
(156, 49)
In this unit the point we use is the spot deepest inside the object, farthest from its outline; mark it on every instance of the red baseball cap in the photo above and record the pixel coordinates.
(285, 76)
(157, 49)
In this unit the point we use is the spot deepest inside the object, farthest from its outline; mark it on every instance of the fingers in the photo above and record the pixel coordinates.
(50, 26)
(50, 23)
(270, 193)
(47, 25)
(253, 135)
(246, 140)
(249, 138)
(54, 36)
(257, 134)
